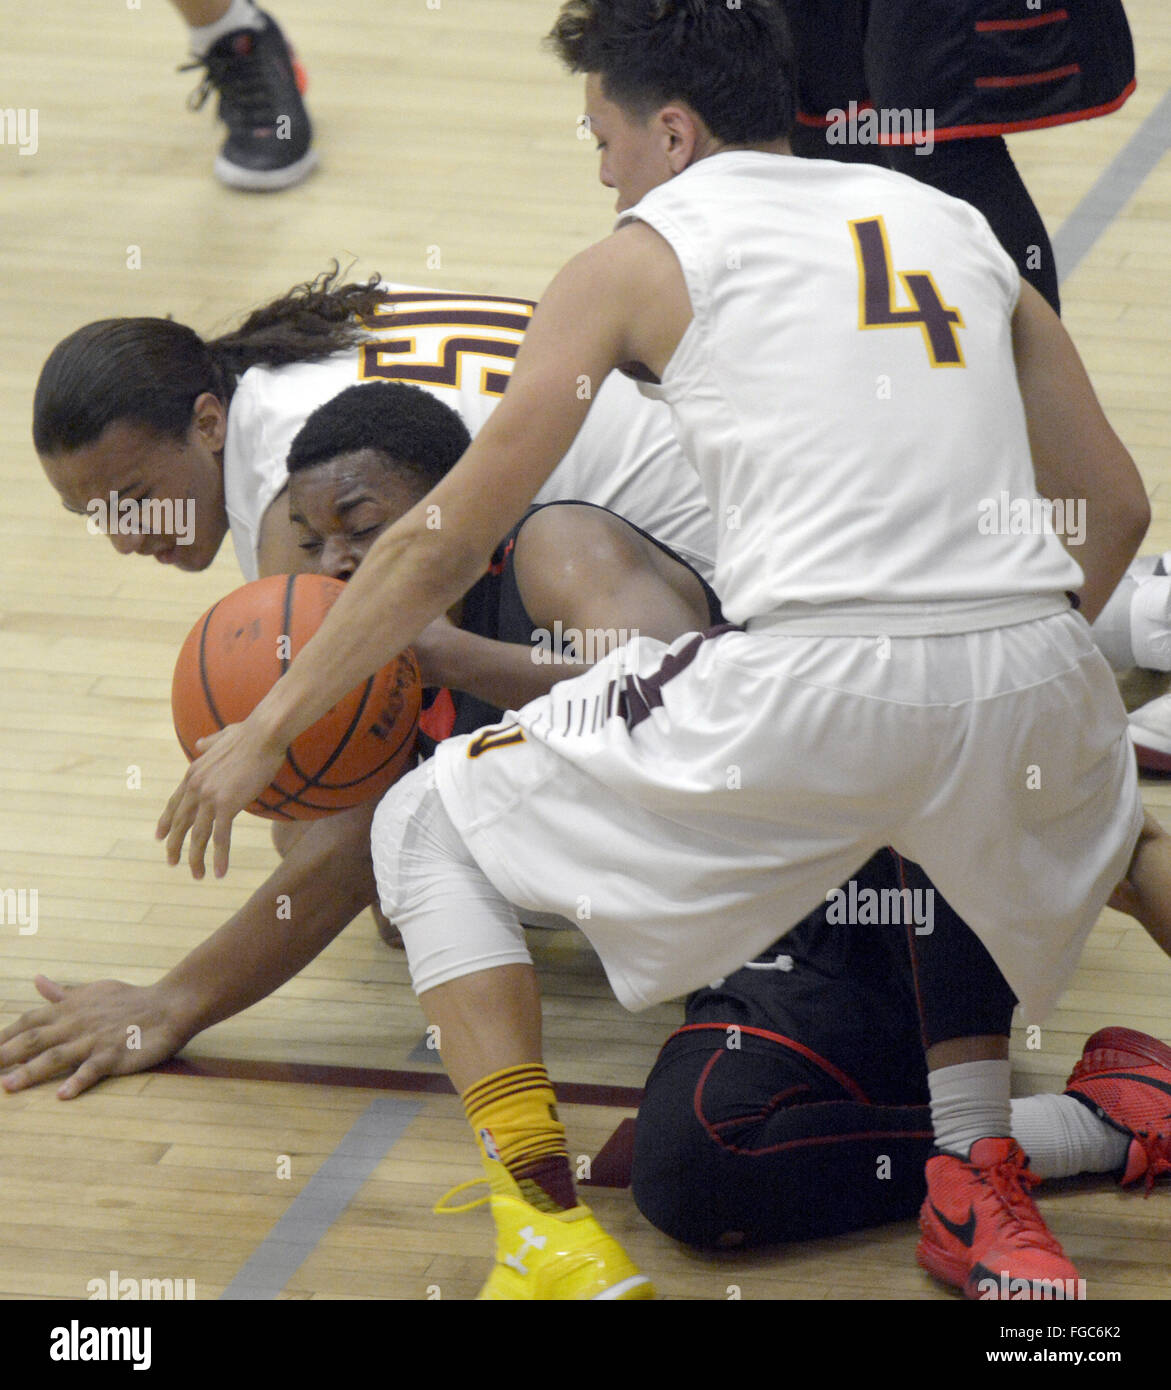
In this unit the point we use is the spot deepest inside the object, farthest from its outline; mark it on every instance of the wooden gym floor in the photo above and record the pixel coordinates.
(449, 157)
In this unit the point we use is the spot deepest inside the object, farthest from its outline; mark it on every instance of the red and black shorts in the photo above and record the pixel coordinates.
(982, 67)
(793, 1103)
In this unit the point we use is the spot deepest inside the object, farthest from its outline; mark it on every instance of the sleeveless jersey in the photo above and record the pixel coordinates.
(460, 348)
(847, 392)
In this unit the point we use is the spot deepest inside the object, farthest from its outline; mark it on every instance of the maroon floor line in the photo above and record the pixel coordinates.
(373, 1079)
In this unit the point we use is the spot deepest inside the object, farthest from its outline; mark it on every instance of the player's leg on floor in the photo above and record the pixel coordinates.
(748, 1137)
(793, 1103)
(981, 1231)
(477, 987)
(1064, 1138)
(755, 1144)
(248, 62)
(744, 1137)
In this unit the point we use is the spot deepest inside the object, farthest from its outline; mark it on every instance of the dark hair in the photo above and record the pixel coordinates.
(150, 371)
(733, 65)
(405, 424)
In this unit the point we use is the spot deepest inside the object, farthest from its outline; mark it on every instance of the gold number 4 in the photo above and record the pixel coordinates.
(937, 321)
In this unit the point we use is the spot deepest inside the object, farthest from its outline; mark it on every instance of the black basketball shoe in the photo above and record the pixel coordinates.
(259, 82)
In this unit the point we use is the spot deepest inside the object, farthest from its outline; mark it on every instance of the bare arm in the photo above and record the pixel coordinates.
(503, 674)
(328, 879)
(1076, 454)
(589, 570)
(582, 569)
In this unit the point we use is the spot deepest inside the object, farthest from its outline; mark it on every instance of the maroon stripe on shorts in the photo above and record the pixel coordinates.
(641, 694)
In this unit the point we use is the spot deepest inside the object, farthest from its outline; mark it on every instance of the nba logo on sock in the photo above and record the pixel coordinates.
(485, 1136)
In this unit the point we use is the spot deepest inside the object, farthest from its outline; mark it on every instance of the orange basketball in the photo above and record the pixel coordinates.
(242, 646)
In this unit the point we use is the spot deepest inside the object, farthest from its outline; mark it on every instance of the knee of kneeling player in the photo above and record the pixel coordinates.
(672, 1193)
(703, 1184)
(680, 1177)
(711, 1200)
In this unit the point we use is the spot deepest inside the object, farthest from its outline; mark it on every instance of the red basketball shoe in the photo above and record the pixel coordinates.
(1125, 1078)
(983, 1234)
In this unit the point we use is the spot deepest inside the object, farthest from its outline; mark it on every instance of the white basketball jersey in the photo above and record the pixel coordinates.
(848, 394)
(460, 348)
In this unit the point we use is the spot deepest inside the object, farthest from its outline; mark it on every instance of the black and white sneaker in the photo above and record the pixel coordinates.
(259, 82)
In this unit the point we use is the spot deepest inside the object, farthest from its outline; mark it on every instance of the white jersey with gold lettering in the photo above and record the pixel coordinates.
(460, 348)
(859, 464)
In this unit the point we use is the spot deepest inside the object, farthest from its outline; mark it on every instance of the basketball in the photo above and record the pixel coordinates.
(242, 646)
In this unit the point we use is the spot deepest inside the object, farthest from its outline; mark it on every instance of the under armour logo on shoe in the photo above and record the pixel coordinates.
(532, 1241)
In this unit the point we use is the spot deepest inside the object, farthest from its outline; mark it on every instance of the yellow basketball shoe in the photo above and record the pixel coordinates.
(546, 1255)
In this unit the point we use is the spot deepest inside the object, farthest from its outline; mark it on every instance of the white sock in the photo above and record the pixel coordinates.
(969, 1102)
(1063, 1137)
(242, 14)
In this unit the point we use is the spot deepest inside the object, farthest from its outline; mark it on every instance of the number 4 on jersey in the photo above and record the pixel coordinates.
(876, 309)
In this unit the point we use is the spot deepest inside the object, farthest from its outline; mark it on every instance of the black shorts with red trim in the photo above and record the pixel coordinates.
(793, 1102)
(757, 1144)
(981, 67)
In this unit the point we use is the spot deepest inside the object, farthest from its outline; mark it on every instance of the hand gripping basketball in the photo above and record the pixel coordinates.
(232, 657)
(237, 652)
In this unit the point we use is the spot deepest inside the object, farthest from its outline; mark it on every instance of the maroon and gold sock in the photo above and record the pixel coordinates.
(513, 1114)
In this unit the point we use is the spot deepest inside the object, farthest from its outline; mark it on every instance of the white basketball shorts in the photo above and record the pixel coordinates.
(686, 804)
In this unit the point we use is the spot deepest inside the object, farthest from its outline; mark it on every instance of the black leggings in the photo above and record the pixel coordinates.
(758, 1144)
